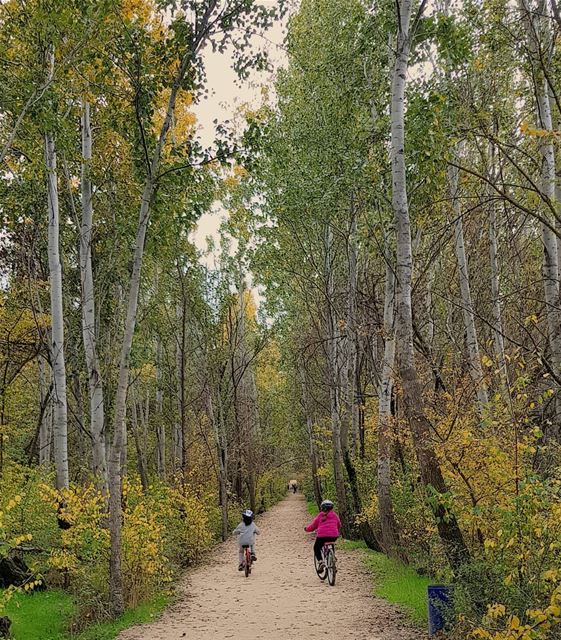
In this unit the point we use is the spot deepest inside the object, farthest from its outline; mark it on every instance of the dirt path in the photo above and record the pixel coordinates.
(282, 599)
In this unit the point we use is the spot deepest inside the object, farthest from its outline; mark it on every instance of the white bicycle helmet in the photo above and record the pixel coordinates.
(326, 505)
(248, 513)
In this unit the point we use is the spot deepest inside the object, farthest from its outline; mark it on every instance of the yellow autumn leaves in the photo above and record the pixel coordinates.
(534, 132)
(537, 626)
(7, 543)
(156, 527)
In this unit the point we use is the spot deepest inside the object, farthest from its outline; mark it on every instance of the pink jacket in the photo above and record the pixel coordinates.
(327, 524)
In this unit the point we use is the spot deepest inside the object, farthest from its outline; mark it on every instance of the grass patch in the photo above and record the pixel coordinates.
(312, 507)
(400, 584)
(352, 545)
(395, 582)
(145, 612)
(44, 615)
(47, 615)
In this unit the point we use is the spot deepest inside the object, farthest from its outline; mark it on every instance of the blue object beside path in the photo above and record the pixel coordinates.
(440, 607)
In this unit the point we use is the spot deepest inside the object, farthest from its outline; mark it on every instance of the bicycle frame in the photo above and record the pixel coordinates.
(329, 570)
(247, 560)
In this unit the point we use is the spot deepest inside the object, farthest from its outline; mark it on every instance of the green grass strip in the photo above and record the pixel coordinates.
(397, 583)
(145, 612)
(312, 507)
(44, 615)
(47, 615)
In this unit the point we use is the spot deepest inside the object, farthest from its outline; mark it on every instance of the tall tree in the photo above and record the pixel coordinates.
(60, 424)
(204, 21)
(89, 325)
(431, 472)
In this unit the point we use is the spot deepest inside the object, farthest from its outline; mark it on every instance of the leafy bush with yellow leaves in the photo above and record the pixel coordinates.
(537, 624)
(271, 487)
(80, 557)
(162, 530)
(510, 514)
(144, 561)
(9, 542)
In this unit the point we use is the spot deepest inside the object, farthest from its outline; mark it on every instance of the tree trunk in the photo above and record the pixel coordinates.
(46, 426)
(82, 449)
(538, 34)
(222, 456)
(160, 425)
(312, 448)
(352, 333)
(334, 376)
(60, 410)
(89, 329)
(498, 340)
(390, 531)
(115, 492)
(431, 473)
(475, 369)
(550, 264)
(140, 460)
(246, 409)
(181, 438)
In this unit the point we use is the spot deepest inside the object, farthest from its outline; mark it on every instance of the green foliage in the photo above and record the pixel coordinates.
(271, 488)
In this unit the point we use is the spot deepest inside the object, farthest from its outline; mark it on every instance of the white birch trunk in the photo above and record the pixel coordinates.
(475, 368)
(430, 470)
(536, 23)
(390, 536)
(119, 432)
(60, 410)
(89, 332)
(550, 264)
(498, 339)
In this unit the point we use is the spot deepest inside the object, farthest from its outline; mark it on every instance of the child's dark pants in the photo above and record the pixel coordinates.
(319, 544)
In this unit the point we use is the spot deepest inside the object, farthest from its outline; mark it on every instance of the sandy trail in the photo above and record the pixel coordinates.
(282, 599)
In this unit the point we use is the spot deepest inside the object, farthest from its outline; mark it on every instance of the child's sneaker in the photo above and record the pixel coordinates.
(321, 566)
(240, 566)
(253, 557)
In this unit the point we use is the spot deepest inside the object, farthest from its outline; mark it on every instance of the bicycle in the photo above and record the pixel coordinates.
(329, 570)
(247, 561)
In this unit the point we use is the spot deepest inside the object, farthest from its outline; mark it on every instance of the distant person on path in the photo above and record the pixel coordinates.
(293, 484)
(328, 527)
(246, 530)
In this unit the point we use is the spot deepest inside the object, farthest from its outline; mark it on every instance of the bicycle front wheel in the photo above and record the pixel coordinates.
(330, 566)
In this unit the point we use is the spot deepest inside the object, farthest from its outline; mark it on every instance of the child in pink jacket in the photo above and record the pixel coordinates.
(328, 527)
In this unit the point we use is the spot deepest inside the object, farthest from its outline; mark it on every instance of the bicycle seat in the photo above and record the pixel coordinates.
(246, 546)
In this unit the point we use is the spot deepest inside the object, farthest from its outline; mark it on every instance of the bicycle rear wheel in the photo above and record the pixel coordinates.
(247, 562)
(322, 574)
(330, 565)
